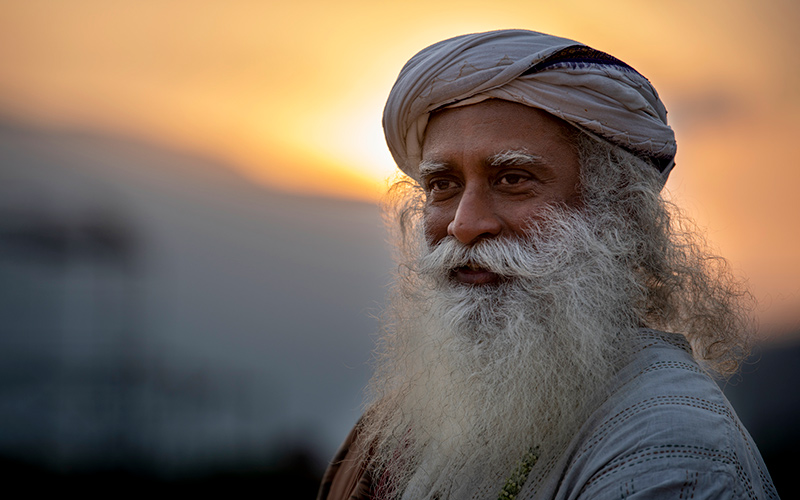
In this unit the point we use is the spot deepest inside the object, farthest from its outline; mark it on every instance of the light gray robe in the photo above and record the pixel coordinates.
(665, 431)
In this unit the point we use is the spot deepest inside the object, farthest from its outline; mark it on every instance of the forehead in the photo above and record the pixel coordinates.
(494, 126)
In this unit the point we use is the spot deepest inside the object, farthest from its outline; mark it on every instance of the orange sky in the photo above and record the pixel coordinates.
(292, 93)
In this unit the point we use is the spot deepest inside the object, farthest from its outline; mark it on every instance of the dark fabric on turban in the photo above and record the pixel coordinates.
(589, 89)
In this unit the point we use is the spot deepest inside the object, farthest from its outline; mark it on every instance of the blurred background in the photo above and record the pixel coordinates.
(191, 252)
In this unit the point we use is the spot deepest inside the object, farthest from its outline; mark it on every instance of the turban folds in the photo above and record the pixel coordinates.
(589, 89)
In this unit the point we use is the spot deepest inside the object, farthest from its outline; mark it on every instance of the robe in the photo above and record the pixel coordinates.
(665, 431)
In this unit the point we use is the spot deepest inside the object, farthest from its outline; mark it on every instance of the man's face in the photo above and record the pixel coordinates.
(488, 169)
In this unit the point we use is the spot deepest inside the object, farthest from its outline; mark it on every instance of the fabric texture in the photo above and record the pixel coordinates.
(590, 89)
(666, 431)
(347, 476)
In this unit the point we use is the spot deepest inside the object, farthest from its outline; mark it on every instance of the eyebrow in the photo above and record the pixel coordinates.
(430, 167)
(504, 158)
(515, 157)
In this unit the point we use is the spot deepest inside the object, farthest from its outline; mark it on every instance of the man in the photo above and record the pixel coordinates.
(525, 352)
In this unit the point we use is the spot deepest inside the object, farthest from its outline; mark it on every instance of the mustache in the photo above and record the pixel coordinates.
(548, 245)
(500, 257)
(509, 258)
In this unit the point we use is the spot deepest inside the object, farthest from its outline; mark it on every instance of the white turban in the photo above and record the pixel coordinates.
(589, 89)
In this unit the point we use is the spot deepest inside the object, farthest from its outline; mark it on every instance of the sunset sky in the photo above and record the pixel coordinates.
(291, 93)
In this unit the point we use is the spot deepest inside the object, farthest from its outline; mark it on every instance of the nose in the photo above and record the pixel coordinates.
(475, 218)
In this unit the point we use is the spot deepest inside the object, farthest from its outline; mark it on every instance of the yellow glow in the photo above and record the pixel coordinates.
(291, 93)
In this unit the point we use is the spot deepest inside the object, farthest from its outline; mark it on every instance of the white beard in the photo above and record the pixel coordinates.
(470, 378)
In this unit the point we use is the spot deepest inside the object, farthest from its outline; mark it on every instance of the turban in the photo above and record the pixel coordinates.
(589, 89)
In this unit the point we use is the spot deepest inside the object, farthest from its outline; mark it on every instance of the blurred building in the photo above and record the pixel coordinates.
(160, 314)
(68, 350)
(81, 386)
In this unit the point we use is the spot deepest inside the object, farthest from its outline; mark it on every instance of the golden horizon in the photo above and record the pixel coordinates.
(291, 95)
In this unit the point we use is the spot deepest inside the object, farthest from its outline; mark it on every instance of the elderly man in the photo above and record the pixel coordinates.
(526, 352)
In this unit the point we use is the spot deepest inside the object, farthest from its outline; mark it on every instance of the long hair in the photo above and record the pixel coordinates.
(686, 288)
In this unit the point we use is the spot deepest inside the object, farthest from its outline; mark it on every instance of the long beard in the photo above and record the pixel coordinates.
(470, 378)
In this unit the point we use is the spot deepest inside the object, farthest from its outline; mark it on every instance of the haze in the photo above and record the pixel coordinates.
(291, 94)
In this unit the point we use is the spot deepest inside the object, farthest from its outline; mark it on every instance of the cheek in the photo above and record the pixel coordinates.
(519, 218)
(520, 221)
(435, 222)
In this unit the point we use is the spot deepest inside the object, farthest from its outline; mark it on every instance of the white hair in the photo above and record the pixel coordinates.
(470, 378)
(688, 289)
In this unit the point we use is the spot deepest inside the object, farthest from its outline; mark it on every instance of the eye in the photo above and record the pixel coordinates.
(512, 178)
(440, 184)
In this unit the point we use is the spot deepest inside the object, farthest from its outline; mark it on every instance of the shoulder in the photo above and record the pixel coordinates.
(347, 475)
(666, 427)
